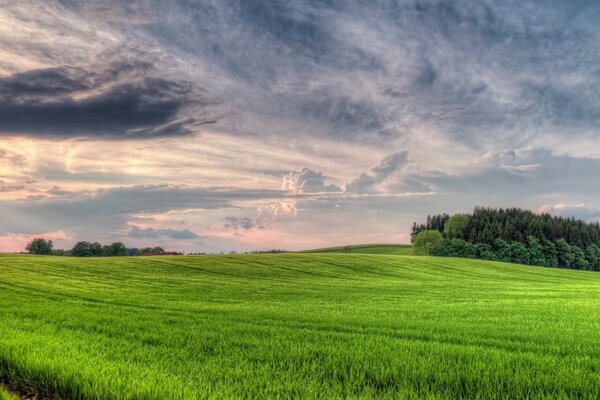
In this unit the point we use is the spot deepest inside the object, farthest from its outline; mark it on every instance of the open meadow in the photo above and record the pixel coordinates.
(297, 326)
(395, 249)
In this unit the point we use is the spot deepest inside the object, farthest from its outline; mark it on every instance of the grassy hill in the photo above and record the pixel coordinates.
(297, 325)
(396, 249)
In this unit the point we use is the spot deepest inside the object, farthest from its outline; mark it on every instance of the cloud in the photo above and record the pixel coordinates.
(367, 182)
(151, 233)
(237, 224)
(97, 213)
(272, 211)
(306, 180)
(326, 83)
(11, 242)
(118, 100)
(578, 211)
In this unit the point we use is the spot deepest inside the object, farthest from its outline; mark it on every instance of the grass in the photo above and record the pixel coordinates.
(5, 395)
(396, 249)
(297, 326)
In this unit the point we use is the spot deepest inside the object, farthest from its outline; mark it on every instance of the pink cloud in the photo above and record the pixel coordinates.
(12, 242)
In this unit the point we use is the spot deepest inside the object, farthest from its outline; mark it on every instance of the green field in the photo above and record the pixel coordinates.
(396, 249)
(297, 326)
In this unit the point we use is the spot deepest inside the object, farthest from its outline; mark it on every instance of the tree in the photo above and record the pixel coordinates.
(518, 253)
(462, 248)
(39, 246)
(502, 250)
(485, 252)
(427, 242)
(550, 254)
(82, 249)
(118, 249)
(456, 226)
(156, 249)
(563, 251)
(96, 249)
(536, 251)
(579, 260)
(593, 256)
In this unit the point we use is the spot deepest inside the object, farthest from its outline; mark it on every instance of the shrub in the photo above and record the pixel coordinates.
(427, 242)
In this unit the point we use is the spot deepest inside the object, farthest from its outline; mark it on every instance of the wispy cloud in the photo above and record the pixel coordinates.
(372, 113)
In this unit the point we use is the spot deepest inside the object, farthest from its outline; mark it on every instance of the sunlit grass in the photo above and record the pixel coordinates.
(396, 249)
(297, 325)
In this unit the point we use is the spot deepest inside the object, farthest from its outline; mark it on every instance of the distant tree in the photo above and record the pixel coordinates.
(61, 252)
(593, 256)
(516, 235)
(106, 251)
(518, 253)
(39, 246)
(456, 226)
(133, 251)
(462, 248)
(118, 249)
(564, 253)
(485, 252)
(156, 249)
(536, 251)
(502, 250)
(550, 254)
(579, 260)
(434, 222)
(427, 242)
(82, 249)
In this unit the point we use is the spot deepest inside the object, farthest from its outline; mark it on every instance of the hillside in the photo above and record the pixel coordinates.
(397, 249)
(297, 325)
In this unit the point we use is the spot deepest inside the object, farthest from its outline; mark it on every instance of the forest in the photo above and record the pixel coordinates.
(511, 235)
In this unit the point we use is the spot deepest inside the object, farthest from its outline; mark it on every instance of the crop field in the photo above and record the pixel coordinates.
(395, 249)
(297, 325)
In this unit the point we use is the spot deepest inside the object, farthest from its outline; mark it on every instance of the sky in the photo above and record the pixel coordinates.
(211, 126)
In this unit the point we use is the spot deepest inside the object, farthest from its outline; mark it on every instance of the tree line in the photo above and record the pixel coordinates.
(88, 249)
(511, 235)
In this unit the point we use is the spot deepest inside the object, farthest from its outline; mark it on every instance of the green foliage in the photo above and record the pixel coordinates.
(518, 253)
(147, 250)
(434, 222)
(456, 226)
(519, 236)
(485, 252)
(40, 246)
(579, 260)
(536, 251)
(550, 254)
(456, 248)
(87, 249)
(305, 326)
(593, 256)
(566, 258)
(502, 250)
(427, 242)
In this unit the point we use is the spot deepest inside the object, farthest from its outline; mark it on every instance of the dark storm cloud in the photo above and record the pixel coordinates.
(121, 101)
